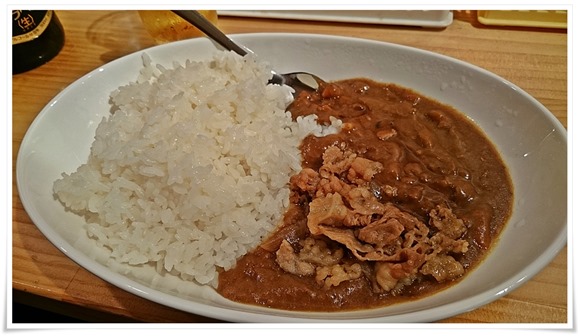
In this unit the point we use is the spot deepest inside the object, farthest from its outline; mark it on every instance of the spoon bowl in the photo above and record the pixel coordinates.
(299, 81)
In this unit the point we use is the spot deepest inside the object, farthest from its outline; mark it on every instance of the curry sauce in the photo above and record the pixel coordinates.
(404, 201)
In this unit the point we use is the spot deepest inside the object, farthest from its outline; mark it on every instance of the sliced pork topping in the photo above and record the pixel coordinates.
(443, 219)
(344, 208)
(335, 274)
(442, 268)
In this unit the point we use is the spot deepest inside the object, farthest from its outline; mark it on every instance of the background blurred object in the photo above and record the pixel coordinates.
(524, 18)
(164, 26)
(37, 37)
(419, 18)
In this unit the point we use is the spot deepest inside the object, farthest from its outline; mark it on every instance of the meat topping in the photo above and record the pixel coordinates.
(345, 209)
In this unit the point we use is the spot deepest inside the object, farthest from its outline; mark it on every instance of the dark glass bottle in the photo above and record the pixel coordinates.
(37, 37)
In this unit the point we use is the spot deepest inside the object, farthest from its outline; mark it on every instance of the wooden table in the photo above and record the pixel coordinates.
(534, 59)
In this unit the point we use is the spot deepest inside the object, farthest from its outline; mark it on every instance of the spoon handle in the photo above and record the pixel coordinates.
(209, 29)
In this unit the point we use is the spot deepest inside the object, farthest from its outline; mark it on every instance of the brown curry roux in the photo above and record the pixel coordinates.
(430, 154)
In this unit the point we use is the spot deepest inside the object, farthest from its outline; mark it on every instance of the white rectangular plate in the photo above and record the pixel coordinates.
(421, 18)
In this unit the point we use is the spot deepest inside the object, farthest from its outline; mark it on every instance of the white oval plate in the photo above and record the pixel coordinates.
(530, 138)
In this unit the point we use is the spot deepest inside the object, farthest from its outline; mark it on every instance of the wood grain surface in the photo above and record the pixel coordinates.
(534, 59)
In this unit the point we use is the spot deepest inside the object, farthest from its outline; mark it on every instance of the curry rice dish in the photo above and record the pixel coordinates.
(359, 195)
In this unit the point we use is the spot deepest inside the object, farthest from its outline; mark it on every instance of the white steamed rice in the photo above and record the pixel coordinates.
(191, 169)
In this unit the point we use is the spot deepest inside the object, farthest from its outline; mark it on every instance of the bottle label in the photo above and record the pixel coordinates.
(28, 25)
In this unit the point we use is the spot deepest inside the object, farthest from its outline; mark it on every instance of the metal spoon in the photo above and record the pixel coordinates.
(299, 81)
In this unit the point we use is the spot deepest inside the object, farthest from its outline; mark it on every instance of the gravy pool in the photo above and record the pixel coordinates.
(430, 157)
